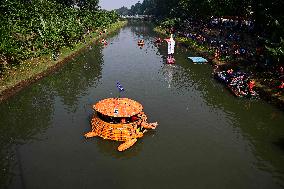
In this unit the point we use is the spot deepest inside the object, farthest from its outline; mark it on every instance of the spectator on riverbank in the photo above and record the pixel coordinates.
(281, 86)
(217, 54)
(281, 70)
(251, 85)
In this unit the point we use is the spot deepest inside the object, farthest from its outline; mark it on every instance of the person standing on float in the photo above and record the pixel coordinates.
(171, 47)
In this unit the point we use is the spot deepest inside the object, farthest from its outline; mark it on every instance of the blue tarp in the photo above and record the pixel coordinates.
(198, 59)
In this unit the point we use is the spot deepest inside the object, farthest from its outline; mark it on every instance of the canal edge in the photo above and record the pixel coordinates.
(21, 84)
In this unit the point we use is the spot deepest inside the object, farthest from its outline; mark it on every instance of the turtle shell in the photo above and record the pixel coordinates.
(118, 132)
(118, 107)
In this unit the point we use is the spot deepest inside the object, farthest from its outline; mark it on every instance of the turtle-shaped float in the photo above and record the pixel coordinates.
(119, 119)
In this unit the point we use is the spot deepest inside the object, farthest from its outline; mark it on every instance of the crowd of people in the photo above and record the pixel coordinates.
(234, 40)
(227, 39)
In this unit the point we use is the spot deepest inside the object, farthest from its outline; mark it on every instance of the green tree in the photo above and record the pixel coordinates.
(32, 28)
(90, 5)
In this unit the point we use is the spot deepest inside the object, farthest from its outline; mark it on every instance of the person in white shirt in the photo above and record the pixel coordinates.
(171, 47)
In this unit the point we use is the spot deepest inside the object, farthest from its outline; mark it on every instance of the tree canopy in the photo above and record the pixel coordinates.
(30, 28)
(266, 15)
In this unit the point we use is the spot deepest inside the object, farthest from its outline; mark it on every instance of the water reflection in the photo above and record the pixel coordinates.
(72, 82)
(29, 113)
(168, 71)
(22, 119)
(177, 77)
(141, 30)
(109, 148)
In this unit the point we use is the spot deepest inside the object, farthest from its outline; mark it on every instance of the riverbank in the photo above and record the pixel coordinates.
(29, 71)
(266, 92)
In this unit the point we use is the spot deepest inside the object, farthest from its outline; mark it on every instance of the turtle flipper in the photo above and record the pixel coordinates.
(126, 144)
(91, 134)
(149, 125)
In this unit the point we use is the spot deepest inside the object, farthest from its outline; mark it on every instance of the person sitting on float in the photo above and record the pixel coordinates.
(143, 122)
(134, 118)
(123, 120)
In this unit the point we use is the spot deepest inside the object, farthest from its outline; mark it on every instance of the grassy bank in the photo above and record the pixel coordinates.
(266, 92)
(33, 69)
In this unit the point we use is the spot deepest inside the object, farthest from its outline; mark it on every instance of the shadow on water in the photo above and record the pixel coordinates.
(72, 82)
(109, 148)
(22, 119)
(29, 113)
(280, 143)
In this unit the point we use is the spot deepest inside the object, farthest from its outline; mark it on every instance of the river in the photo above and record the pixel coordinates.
(206, 137)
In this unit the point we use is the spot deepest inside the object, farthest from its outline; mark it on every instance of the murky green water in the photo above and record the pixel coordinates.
(206, 137)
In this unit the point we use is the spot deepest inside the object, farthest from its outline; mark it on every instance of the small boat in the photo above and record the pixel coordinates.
(141, 43)
(158, 40)
(237, 82)
(237, 91)
(119, 119)
(222, 76)
(227, 77)
(170, 60)
(104, 42)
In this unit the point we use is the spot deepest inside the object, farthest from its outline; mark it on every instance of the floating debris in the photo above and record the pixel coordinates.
(198, 59)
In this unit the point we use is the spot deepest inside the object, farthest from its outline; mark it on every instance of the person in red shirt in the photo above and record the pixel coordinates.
(134, 118)
(251, 85)
(281, 86)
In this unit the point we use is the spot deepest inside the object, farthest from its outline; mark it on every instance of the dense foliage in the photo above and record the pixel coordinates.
(266, 15)
(30, 28)
(123, 11)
